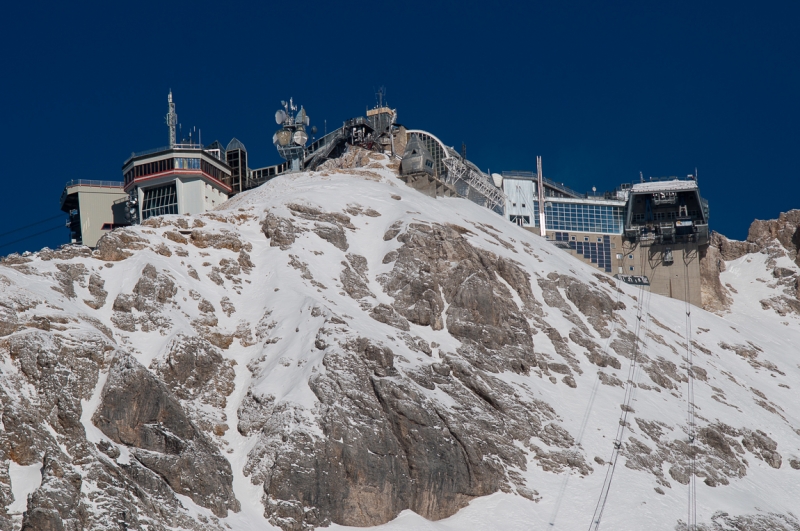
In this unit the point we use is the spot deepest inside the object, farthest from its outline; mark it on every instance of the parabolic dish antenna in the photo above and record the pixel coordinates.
(280, 116)
(300, 138)
(498, 179)
(284, 136)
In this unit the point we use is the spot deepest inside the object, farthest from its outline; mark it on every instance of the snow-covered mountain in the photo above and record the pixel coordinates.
(336, 349)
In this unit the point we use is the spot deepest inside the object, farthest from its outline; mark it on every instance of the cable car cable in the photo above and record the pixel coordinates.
(30, 236)
(642, 319)
(587, 413)
(29, 226)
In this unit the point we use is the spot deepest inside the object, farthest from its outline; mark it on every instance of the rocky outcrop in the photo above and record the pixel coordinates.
(785, 230)
(118, 245)
(773, 238)
(138, 411)
(150, 293)
(714, 296)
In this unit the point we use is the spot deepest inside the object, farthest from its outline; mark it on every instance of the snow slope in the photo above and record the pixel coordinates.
(749, 356)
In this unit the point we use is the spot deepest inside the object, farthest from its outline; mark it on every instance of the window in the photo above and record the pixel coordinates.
(630, 257)
(523, 205)
(187, 164)
(619, 270)
(429, 164)
(599, 239)
(579, 217)
(572, 238)
(619, 256)
(513, 204)
(586, 238)
(160, 201)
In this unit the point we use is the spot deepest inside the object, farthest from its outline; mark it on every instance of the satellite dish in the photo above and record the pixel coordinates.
(498, 179)
(314, 130)
(280, 116)
(594, 188)
(307, 120)
(275, 138)
(284, 136)
(300, 137)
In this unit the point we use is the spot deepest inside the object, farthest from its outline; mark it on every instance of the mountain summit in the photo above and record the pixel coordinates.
(336, 349)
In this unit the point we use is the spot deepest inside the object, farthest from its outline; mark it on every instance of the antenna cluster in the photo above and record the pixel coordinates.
(291, 138)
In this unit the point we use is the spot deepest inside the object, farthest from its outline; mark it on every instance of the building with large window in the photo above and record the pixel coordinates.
(178, 179)
(653, 230)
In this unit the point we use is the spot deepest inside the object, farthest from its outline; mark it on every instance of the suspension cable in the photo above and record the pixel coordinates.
(12, 231)
(30, 236)
(642, 317)
(587, 413)
(691, 513)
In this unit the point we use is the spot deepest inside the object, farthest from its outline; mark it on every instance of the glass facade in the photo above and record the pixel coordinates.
(183, 163)
(597, 252)
(583, 217)
(177, 163)
(160, 201)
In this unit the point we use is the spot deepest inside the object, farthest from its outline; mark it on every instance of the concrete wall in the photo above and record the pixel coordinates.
(521, 192)
(96, 206)
(671, 279)
(191, 195)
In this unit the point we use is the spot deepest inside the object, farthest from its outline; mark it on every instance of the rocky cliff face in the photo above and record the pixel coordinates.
(334, 349)
(778, 241)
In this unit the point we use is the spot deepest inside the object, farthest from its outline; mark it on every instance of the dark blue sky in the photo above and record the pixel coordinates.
(600, 92)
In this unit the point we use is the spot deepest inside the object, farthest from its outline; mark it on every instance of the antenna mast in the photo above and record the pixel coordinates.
(540, 190)
(172, 120)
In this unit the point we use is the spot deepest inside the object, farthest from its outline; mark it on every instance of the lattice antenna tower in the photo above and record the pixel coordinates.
(380, 95)
(171, 119)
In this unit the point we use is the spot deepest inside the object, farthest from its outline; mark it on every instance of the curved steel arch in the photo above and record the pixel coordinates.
(439, 151)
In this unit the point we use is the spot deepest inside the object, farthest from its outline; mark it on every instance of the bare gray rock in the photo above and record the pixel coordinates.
(137, 410)
(96, 285)
(280, 232)
(150, 293)
(118, 245)
(385, 314)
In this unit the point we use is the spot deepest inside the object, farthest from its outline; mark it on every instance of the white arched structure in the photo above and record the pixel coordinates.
(439, 152)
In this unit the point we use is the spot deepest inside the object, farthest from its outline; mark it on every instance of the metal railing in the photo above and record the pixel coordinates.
(164, 148)
(88, 182)
(561, 187)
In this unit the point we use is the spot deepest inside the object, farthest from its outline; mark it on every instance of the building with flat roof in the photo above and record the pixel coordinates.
(182, 178)
(95, 208)
(178, 179)
(652, 231)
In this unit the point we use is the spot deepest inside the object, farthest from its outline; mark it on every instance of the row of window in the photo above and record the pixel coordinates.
(179, 163)
(213, 171)
(664, 216)
(149, 168)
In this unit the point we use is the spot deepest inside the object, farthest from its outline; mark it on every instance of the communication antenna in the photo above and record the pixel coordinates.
(380, 95)
(171, 119)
